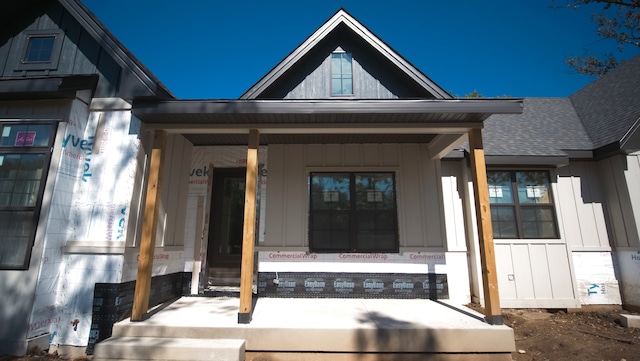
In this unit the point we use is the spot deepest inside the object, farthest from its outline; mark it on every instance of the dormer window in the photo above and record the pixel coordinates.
(341, 74)
(41, 50)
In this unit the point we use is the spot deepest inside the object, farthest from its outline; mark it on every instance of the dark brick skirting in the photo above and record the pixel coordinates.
(112, 302)
(353, 285)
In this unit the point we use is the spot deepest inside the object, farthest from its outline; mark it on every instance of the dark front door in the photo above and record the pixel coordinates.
(226, 223)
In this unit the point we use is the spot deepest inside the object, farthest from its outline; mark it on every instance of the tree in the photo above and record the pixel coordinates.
(618, 20)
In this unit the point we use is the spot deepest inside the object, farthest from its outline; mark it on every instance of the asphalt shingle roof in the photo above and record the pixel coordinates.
(610, 105)
(547, 127)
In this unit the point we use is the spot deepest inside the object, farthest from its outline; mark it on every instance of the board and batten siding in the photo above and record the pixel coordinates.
(317, 84)
(580, 204)
(620, 176)
(420, 214)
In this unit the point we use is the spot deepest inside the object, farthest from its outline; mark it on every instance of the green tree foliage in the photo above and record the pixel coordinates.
(618, 20)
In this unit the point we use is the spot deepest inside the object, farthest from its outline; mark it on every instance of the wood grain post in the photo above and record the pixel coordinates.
(485, 231)
(249, 230)
(149, 228)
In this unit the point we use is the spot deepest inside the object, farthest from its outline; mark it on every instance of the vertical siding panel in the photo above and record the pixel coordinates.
(504, 266)
(314, 155)
(566, 205)
(370, 155)
(541, 274)
(616, 216)
(71, 38)
(632, 178)
(333, 155)
(390, 155)
(276, 201)
(296, 194)
(171, 179)
(412, 217)
(452, 206)
(562, 280)
(184, 156)
(352, 155)
(431, 185)
(86, 55)
(523, 271)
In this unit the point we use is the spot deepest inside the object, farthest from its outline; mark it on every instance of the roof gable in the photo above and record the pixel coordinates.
(342, 30)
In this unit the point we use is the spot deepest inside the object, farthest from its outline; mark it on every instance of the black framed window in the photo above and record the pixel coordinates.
(25, 153)
(521, 204)
(353, 212)
(341, 74)
(41, 50)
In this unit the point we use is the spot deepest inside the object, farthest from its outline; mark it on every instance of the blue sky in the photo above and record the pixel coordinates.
(208, 49)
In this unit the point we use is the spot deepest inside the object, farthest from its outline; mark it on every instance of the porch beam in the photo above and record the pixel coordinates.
(249, 230)
(443, 144)
(149, 227)
(492, 311)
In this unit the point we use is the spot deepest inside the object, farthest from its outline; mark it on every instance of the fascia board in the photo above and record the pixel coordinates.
(493, 106)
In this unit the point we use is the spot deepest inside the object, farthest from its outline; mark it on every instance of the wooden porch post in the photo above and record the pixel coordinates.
(249, 230)
(149, 227)
(485, 231)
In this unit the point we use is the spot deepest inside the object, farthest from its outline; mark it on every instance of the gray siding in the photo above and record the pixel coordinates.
(374, 77)
(620, 176)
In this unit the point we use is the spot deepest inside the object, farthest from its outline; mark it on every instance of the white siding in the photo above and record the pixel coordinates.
(418, 183)
(580, 202)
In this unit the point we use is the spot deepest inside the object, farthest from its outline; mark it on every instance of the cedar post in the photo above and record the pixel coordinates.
(485, 232)
(149, 228)
(249, 230)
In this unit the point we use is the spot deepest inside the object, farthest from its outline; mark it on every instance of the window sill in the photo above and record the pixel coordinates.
(94, 247)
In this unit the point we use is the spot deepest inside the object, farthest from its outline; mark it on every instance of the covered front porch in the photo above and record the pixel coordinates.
(309, 329)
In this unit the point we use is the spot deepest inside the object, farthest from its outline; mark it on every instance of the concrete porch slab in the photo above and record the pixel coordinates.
(340, 326)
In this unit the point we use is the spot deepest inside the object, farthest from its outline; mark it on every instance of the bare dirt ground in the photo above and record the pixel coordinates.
(557, 335)
(540, 335)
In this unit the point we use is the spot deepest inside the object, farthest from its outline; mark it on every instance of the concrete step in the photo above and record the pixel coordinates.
(161, 348)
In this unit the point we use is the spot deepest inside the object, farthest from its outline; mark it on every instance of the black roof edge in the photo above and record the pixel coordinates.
(252, 106)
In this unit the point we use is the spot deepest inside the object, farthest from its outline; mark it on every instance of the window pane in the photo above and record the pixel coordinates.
(533, 187)
(503, 222)
(375, 191)
(538, 222)
(341, 74)
(20, 176)
(16, 232)
(25, 135)
(40, 49)
(500, 187)
(330, 191)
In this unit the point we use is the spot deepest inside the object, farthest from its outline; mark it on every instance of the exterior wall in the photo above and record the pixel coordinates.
(420, 213)
(317, 84)
(88, 224)
(18, 287)
(582, 205)
(169, 256)
(620, 176)
(429, 243)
